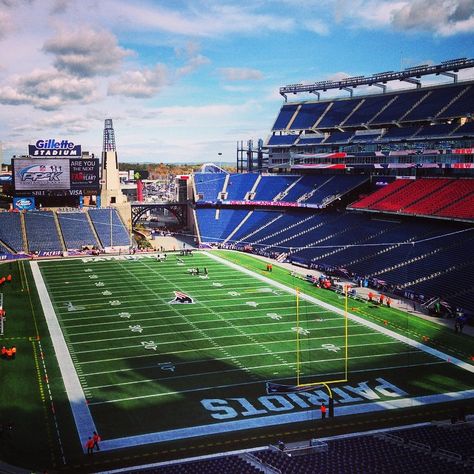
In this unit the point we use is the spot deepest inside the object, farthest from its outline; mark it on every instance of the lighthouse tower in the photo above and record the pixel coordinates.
(111, 194)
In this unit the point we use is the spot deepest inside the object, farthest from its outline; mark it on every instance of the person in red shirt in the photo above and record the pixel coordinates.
(323, 411)
(96, 439)
(13, 352)
(4, 352)
(370, 296)
(9, 353)
(90, 445)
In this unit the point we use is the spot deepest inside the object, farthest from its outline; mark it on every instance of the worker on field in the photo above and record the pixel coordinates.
(9, 278)
(388, 301)
(96, 438)
(370, 296)
(13, 352)
(323, 411)
(4, 352)
(90, 445)
(9, 353)
(381, 299)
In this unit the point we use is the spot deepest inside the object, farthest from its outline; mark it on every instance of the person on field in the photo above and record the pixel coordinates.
(323, 411)
(90, 445)
(96, 438)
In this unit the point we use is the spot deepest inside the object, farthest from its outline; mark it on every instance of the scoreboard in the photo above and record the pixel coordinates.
(56, 176)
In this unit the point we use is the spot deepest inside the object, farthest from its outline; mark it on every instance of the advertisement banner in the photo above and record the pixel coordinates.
(26, 203)
(41, 174)
(84, 173)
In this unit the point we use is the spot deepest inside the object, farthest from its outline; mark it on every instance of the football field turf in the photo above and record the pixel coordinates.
(157, 353)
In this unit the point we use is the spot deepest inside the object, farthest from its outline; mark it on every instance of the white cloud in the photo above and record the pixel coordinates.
(86, 52)
(47, 90)
(140, 84)
(201, 19)
(241, 74)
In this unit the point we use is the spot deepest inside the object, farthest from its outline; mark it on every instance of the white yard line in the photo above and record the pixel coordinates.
(422, 347)
(85, 424)
(81, 413)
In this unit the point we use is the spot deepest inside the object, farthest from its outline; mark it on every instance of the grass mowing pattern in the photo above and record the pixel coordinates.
(146, 364)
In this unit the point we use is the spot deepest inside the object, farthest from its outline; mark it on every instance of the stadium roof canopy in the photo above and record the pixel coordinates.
(412, 74)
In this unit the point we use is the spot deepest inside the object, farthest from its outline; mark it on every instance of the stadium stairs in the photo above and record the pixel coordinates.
(59, 232)
(26, 247)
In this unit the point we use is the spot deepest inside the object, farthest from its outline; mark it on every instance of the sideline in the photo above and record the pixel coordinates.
(82, 415)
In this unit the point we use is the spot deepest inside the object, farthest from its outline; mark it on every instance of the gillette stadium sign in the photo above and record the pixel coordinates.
(52, 147)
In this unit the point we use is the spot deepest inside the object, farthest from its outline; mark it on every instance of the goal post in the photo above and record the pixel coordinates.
(306, 375)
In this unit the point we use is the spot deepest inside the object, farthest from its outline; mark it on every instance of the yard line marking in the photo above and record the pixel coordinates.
(434, 352)
(282, 324)
(216, 387)
(177, 342)
(212, 372)
(202, 361)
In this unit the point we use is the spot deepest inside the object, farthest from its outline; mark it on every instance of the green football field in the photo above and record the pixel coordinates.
(159, 354)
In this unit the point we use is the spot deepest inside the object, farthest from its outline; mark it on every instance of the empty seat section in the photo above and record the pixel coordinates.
(284, 117)
(310, 140)
(443, 197)
(209, 185)
(109, 227)
(439, 130)
(270, 186)
(239, 185)
(10, 230)
(335, 186)
(368, 201)
(400, 106)
(339, 137)
(462, 107)
(462, 209)
(409, 194)
(465, 130)
(76, 230)
(217, 230)
(339, 111)
(41, 232)
(303, 186)
(308, 115)
(256, 221)
(434, 103)
(367, 110)
(395, 133)
(365, 137)
(281, 140)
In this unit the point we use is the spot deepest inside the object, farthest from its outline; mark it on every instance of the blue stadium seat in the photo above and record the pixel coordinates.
(109, 227)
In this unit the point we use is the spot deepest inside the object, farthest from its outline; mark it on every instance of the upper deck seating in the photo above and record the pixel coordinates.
(284, 117)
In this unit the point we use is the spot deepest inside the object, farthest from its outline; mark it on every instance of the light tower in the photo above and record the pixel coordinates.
(111, 195)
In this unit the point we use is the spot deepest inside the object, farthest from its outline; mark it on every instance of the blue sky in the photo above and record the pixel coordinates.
(185, 80)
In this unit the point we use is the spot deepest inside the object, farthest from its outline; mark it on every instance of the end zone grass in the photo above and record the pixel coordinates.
(147, 365)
